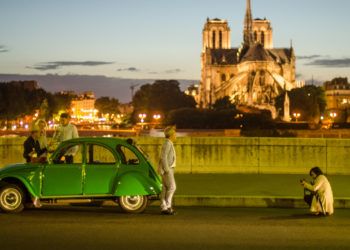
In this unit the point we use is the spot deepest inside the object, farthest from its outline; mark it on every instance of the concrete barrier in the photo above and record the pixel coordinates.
(234, 155)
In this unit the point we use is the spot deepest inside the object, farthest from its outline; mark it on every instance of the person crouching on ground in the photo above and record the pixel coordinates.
(322, 201)
(166, 169)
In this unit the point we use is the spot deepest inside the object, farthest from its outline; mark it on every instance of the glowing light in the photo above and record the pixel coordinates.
(156, 116)
(296, 116)
(142, 117)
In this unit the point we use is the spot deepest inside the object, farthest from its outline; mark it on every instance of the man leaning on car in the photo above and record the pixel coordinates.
(166, 169)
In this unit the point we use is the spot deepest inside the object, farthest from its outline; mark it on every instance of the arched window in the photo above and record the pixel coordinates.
(223, 77)
(220, 39)
(255, 36)
(214, 39)
(263, 38)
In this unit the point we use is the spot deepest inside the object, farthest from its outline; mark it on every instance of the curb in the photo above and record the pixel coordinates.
(233, 201)
(250, 201)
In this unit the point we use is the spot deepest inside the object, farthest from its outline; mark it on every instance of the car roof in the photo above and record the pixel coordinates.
(112, 141)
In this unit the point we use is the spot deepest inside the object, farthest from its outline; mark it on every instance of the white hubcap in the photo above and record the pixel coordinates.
(10, 198)
(132, 202)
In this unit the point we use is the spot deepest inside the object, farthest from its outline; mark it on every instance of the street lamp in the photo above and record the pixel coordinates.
(333, 115)
(142, 117)
(296, 116)
(156, 117)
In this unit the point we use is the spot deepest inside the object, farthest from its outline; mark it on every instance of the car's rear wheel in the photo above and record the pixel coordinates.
(133, 203)
(11, 198)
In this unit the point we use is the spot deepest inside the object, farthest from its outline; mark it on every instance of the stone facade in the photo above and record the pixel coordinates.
(253, 74)
(337, 93)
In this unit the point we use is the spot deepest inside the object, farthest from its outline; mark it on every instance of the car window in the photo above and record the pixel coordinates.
(97, 154)
(128, 156)
(70, 154)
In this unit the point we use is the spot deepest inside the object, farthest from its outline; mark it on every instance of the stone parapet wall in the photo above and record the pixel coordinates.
(234, 155)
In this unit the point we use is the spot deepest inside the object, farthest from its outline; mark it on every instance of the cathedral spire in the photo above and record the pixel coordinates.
(248, 38)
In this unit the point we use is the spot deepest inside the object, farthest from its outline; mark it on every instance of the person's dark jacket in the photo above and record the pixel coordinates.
(31, 144)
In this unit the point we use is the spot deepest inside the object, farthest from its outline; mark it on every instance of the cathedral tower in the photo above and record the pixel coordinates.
(248, 38)
(262, 31)
(216, 35)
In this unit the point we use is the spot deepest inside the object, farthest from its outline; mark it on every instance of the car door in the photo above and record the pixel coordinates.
(63, 177)
(100, 171)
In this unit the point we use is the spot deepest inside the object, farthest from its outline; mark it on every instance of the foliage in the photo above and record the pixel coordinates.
(162, 96)
(190, 118)
(309, 101)
(223, 103)
(107, 105)
(60, 101)
(17, 101)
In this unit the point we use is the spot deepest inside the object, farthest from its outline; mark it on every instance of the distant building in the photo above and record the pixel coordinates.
(337, 94)
(83, 107)
(251, 75)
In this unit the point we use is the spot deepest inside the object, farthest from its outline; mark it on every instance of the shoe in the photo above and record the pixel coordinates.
(164, 212)
(171, 211)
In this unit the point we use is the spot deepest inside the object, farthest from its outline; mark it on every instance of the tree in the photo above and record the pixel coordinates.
(62, 101)
(106, 105)
(18, 101)
(224, 103)
(162, 96)
(309, 101)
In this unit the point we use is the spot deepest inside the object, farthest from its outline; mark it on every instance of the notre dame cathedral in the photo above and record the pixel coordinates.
(251, 75)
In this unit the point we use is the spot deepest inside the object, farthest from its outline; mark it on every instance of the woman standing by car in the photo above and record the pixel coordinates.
(41, 124)
(322, 201)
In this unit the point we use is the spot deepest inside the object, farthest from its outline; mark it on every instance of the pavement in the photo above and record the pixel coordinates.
(252, 190)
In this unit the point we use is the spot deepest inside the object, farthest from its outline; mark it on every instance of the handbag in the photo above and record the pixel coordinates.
(308, 196)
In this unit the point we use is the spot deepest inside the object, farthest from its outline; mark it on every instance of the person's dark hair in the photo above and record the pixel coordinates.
(316, 170)
(65, 115)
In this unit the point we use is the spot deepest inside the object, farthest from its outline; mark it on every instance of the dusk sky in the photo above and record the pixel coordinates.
(161, 39)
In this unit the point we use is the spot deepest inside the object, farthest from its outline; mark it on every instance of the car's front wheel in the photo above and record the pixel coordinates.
(133, 203)
(11, 199)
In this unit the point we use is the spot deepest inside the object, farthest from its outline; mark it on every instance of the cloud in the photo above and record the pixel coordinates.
(59, 64)
(331, 63)
(3, 49)
(308, 57)
(169, 71)
(173, 71)
(130, 69)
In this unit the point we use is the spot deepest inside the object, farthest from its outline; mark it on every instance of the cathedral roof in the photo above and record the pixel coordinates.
(254, 53)
(257, 53)
(282, 55)
(224, 56)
